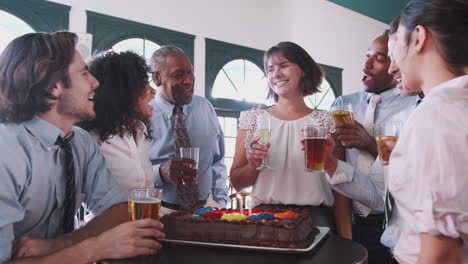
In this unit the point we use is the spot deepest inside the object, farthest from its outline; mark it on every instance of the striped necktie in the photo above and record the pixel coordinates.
(70, 187)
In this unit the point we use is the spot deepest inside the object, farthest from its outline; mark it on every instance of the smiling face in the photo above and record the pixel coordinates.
(143, 109)
(376, 78)
(175, 79)
(403, 57)
(75, 102)
(284, 77)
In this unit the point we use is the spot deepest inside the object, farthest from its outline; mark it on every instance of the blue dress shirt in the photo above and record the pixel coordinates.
(32, 190)
(204, 132)
(391, 104)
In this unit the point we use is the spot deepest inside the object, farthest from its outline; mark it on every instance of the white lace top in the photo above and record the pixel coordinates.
(287, 182)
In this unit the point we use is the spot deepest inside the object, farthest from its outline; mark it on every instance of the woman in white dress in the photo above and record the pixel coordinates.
(122, 117)
(292, 75)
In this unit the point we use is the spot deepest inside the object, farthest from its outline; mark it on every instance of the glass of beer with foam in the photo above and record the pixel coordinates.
(385, 132)
(343, 114)
(144, 203)
(314, 147)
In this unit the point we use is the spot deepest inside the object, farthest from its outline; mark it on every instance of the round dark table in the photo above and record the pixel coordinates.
(333, 250)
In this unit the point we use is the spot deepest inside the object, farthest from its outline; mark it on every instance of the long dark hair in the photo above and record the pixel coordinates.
(448, 22)
(122, 78)
(313, 73)
(29, 66)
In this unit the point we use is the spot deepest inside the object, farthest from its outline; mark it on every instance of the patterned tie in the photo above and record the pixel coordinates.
(181, 138)
(364, 159)
(70, 188)
(187, 194)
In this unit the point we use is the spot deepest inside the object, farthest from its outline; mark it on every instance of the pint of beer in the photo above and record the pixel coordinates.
(314, 147)
(343, 114)
(385, 132)
(144, 203)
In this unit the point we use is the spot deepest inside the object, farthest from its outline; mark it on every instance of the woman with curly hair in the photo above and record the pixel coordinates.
(122, 117)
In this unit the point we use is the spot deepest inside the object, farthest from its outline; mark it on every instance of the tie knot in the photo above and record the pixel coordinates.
(177, 109)
(375, 99)
(62, 141)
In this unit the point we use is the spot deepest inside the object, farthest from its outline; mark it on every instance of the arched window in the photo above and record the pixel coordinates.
(240, 80)
(21, 17)
(11, 27)
(323, 99)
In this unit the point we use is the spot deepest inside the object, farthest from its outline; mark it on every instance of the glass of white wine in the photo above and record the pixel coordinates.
(263, 132)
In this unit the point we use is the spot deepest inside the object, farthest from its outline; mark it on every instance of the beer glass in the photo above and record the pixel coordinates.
(144, 203)
(314, 147)
(263, 132)
(385, 132)
(343, 114)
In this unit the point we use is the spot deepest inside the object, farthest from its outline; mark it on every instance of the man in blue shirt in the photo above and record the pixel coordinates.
(173, 74)
(367, 229)
(45, 89)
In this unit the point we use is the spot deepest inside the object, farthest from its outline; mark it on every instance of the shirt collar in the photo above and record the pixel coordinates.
(44, 131)
(390, 94)
(167, 108)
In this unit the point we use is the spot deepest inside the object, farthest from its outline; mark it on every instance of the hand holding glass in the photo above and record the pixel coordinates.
(315, 147)
(144, 203)
(386, 132)
(263, 132)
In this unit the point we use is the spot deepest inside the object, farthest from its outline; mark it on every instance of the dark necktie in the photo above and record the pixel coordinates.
(187, 194)
(70, 187)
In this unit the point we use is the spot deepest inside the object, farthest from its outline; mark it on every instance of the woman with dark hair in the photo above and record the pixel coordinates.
(292, 75)
(429, 165)
(122, 117)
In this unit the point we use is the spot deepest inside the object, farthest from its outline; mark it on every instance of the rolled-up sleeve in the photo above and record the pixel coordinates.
(11, 209)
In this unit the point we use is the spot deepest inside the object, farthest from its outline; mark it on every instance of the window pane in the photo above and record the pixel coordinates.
(322, 100)
(11, 27)
(241, 80)
(230, 127)
(230, 146)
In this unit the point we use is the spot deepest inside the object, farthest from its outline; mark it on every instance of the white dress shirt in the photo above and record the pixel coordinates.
(391, 104)
(369, 188)
(128, 159)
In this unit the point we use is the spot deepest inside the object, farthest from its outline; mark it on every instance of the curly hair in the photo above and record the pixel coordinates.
(122, 77)
(313, 73)
(29, 66)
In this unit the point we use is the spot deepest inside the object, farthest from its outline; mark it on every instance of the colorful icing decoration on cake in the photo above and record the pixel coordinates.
(286, 215)
(234, 217)
(202, 211)
(216, 214)
(262, 217)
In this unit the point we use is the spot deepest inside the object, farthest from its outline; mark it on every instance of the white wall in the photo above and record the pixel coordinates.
(331, 34)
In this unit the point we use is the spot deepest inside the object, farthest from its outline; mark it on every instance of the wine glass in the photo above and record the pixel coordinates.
(244, 198)
(263, 132)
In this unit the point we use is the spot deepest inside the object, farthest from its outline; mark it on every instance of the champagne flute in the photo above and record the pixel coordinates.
(263, 132)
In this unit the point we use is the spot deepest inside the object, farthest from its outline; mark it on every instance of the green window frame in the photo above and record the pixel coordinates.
(109, 30)
(42, 16)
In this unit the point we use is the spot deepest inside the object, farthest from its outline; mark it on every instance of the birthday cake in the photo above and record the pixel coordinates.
(266, 228)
